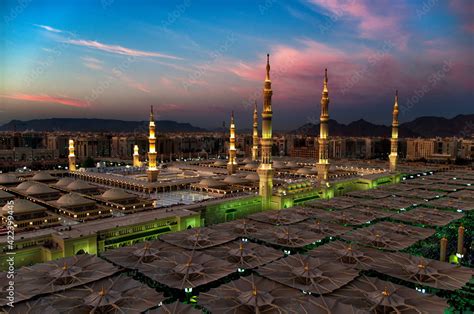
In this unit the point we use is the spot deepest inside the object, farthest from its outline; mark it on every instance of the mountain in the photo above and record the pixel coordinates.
(96, 125)
(461, 125)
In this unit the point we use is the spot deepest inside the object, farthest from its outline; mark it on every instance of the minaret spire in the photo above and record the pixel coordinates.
(136, 156)
(255, 134)
(232, 163)
(71, 156)
(323, 163)
(152, 172)
(265, 171)
(393, 157)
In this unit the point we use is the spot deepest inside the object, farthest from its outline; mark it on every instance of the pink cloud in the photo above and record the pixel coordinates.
(118, 49)
(372, 21)
(48, 99)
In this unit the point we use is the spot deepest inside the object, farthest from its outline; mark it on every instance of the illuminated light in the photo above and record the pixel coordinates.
(287, 252)
(188, 290)
(100, 212)
(402, 209)
(31, 222)
(75, 216)
(459, 255)
(245, 240)
(240, 270)
(87, 214)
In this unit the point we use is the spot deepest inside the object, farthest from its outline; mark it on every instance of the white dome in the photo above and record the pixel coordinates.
(39, 189)
(25, 185)
(23, 206)
(79, 185)
(220, 162)
(235, 180)
(278, 164)
(4, 194)
(210, 183)
(251, 165)
(292, 164)
(63, 182)
(43, 176)
(116, 194)
(73, 199)
(8, 178)
(306, 171)
(252, 177)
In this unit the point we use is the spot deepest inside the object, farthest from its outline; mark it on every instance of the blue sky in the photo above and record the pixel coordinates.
(196, 61)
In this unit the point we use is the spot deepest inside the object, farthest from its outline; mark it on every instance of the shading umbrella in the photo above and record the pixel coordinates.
(308, 273)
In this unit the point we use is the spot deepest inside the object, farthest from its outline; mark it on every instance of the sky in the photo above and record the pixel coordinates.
(196, 61)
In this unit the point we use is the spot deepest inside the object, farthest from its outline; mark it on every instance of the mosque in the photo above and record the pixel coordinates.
(64, 213)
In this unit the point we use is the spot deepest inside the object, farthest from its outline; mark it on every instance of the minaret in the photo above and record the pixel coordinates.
(136, 157)
(255, 134)
(323, 164)
(72, 156)
(152, 171)
(265, 171)
(232, 163)
(394, 140)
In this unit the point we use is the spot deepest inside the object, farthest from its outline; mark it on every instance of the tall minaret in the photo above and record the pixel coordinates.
(323, 163)
(232, 163)
(394, 140)
(255, 134)
(136, 157)
(72, 156)
(152, 171)
(265, 171)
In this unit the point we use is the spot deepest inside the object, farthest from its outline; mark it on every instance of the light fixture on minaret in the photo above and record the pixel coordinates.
(255, 134)
(136, 157)
(152, 171)
(232, 162)
(393, 157)
(323, 163)
(265, 169)
(71, 157)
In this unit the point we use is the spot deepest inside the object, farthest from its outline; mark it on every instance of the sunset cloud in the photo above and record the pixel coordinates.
(116, 49)
(44, 98)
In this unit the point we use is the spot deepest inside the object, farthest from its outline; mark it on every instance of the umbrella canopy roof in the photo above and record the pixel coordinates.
(325, 229)
(428, 216)
(288, 236)
(278, 217)
(424, 271)
(252, 294)
(349, 254)
(197, 238)
(241, 227)
(387, 235)
(309, 273)
(132, 257)
(117, 294)
(57, 275)
(244, 254)
(187, 269)
(378, 296)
